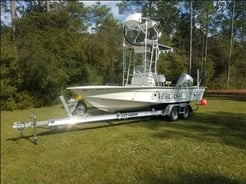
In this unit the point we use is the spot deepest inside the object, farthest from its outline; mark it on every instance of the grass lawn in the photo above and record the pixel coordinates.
(210, 147)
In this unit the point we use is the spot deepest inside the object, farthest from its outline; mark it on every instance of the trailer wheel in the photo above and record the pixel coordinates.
(186, 113)
(80, 109)
(174, 114)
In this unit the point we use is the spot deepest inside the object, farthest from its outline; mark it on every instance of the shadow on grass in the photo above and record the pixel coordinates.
(24, 137)
(187, 178)
(222, 127)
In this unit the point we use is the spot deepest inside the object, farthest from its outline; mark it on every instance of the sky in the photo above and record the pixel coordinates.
(5, 17)
(111, 5)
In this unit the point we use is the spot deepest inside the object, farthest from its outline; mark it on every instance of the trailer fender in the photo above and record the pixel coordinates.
(168, 109)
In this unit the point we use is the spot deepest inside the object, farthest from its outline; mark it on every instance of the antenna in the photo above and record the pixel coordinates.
(132, 20)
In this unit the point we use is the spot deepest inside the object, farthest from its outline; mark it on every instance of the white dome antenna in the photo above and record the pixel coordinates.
(132, 20)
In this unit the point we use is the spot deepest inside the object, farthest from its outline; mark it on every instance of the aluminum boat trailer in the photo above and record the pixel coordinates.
(172, 111)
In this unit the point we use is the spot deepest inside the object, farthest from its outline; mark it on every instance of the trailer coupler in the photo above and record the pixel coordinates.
(21, 126)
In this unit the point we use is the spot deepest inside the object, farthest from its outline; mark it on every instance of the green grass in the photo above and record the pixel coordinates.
(210, 147)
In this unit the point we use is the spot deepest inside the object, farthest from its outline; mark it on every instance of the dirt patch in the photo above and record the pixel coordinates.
(227, 91)
(231, 94)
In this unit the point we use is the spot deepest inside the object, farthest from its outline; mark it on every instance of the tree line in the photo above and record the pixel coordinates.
(54, 44)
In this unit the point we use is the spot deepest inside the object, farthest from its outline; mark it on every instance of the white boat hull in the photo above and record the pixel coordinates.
(142, 86)
(125, 98)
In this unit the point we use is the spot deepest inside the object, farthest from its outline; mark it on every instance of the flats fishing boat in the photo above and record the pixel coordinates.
(142, 87)
(143, 92)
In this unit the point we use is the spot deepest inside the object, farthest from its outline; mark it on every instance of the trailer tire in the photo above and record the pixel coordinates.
(81, 108)
(174, 114)
(187, 112)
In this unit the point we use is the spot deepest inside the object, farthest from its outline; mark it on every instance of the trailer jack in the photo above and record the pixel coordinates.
(22, 126)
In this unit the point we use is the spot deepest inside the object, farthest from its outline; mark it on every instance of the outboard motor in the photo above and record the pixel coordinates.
(184, 80)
